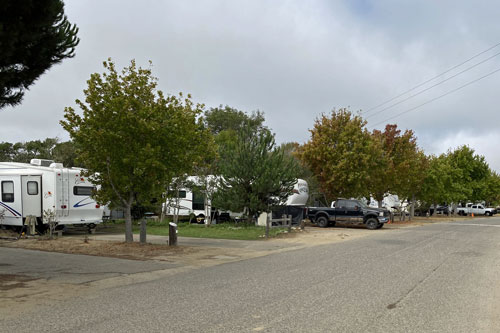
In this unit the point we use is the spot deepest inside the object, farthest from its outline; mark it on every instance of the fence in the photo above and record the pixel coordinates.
(284, 221)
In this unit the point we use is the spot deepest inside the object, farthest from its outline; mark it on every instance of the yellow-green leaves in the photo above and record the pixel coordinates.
(133, 136)
(340, 154)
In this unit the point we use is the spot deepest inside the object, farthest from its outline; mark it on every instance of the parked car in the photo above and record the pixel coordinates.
(476, 209)
(348, 211)
(440, 210)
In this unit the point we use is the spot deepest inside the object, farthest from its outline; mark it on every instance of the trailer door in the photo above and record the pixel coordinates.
(31, 195)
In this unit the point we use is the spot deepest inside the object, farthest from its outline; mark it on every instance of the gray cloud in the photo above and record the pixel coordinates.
(291, 59)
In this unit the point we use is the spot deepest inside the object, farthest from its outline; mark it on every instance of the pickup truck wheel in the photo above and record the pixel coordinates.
(487, 214)
(322, 222)
(380, 225)
(372, 223)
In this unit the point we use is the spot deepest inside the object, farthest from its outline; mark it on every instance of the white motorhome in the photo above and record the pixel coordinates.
(45, 186)
(191, 203)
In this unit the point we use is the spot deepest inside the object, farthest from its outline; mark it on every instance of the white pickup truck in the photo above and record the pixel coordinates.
(476, 209)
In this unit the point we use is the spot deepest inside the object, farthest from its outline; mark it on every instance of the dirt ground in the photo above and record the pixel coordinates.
(86, 246)
(311, 236)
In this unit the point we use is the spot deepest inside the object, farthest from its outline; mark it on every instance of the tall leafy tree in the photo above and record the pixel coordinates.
(255, 174)
(399, 166)
(492, 191)
(383, 171)
(439, 184)
(35, 149)
(225, 123)
(50, 149)
(34, 35)
(134, 139)
(65, 153)
(460, 175)
(7, 151)
(230, 119)
(340, 153)
(474, 172)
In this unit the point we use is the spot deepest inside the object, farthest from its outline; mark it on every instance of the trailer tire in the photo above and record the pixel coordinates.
(91, 227)
(322, 221)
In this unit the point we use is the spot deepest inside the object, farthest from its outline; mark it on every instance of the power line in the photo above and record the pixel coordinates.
(434, 85)
(433, 78)
(436, 98)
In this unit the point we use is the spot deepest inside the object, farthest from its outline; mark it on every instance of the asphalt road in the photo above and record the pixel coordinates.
(437, 278)
(69, 268)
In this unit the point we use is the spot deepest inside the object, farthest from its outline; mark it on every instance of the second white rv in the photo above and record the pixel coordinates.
(188, 203)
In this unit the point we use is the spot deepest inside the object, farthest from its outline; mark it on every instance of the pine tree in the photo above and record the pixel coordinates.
(34, 35)
(255, 175)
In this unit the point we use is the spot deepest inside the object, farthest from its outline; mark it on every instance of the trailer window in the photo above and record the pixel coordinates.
(8, 191)
(33, 188)
(83, 190)
(198, 201)
(173, 194)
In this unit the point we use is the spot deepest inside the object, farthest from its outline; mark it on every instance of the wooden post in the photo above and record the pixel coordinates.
(143, 231)
(267, 225)
(288, 221)
(172, 234)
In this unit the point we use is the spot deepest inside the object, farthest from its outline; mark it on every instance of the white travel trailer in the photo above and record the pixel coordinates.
(391, 202)
(45, 186)
(186, 202)
(189, 203)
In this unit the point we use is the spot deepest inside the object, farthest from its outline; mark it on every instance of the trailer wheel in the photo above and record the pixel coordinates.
(322, 222)
(91, 228)
(200, 219)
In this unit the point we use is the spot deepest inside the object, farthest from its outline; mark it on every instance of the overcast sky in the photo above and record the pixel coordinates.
(293, 60)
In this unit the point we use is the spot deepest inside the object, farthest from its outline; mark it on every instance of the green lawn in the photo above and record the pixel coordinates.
(225, 231)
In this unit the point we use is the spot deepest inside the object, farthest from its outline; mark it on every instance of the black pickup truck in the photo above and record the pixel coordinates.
(348, 211)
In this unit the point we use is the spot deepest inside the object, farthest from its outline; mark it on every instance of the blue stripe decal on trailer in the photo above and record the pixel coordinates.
(10, 209)
(79, 203)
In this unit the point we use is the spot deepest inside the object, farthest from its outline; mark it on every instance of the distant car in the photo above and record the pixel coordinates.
(476, 209)
(443, 210)
(439, 210)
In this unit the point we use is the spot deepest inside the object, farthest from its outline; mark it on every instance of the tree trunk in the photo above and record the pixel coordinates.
(143, 231)
(208, 213)
(379, 203)
(177, 208)
(129, 238)
(412, 207)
